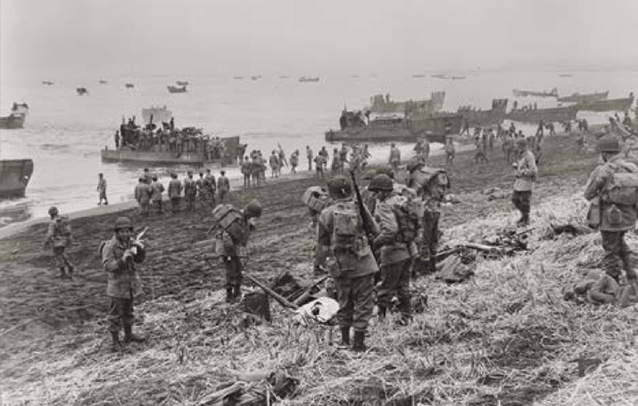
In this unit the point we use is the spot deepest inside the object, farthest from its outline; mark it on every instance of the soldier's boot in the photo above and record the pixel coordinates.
(129, 337)
(237, 292)
(359, 341)
(382, 312)
(432, 265)
(116, 344)
(63, 274)
(345, 337)
(229, 295)
(524, 220)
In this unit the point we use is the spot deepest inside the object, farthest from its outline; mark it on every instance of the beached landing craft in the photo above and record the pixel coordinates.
(176, 89)
(14, 176)
(525, 93)
(383, 105)
(182, 82)
(583, 98)
(623, 104)
(16, 118)
(554, 115)
(485, 118)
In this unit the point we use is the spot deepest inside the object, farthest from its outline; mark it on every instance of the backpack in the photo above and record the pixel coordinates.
(622, 187)
(408, 214)
(316, 198)
(424, 177)
(231, 220)
(62, 226)
(345, 230)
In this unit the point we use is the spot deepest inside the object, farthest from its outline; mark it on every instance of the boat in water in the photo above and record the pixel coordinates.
(309, 79)
(485, 118)
(565, 75)
(548, 115)
(15, 120)
(384, 105)
(255, 77)
(47, 82)
(176, 89)
(103, 82)
(394, 127)
(181, 82)
(81, 91)
(418, 76)
(583, 98)
(623, 104)
(525, 93)
(14, 176)
(129, 85)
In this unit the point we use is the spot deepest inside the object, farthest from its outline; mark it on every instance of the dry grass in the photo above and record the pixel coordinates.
(505, 337)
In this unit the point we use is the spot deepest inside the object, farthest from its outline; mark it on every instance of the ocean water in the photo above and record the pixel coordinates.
(64, 132)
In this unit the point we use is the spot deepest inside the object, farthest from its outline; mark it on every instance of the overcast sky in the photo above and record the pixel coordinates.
(89, 37)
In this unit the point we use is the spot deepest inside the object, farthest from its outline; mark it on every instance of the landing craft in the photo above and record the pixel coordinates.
(81, 91)
(14, 176)
(175, 89)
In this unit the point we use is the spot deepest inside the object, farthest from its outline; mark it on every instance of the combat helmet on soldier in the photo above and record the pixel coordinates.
(381, 183)
(386, 170)
(339, 187)
(609, 143)
(123, 223)
(53, 211)
(253, 209)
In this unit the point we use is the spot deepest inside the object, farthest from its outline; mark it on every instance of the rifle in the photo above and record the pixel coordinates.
(367, 227)
(137, 239)
(282, 300)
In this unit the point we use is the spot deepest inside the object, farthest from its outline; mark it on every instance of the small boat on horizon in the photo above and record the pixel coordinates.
(47, 82)
(255, 77)
(565, 75)
(418, 76)
(176, 89)
(182, 82)
(81, 91)
(584, 98)
(103, 82)
(129, 85)
(238, 77)
(309, 79)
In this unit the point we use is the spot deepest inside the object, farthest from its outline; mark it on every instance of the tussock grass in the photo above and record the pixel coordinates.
(504, 337)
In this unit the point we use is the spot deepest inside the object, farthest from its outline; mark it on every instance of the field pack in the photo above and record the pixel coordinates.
(231, 220)
(316, 198)
(409, 214)
(63, 226)
(345, 228)
(424, 177)
(622, 188)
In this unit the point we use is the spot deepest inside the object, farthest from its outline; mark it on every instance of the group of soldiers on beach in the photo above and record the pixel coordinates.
(371, 240)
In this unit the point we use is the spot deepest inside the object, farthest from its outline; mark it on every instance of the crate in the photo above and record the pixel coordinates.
(231, 220)
(316, 198)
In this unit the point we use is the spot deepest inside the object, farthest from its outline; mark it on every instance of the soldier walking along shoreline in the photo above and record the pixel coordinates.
(119, 256)
(223, 185)
(59, 237)
(156, 194)
(101, 189)
(174, 193)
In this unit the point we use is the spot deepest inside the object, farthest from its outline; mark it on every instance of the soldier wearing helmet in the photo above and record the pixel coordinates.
(119, 256)
(395, 157)
(612, 191)
(223, 186)
(232, 239)
(395, 256)
(342, 242)
(59, 236)
(525, 172)
(174, 192)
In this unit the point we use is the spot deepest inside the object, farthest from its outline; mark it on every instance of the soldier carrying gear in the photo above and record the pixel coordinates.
(59, 236)
(612, 189)
(234, 227)
(341, 239)
(119, 256)
(395, 258)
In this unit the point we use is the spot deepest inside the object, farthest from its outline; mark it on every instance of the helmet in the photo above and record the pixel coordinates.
(253, 208)
(123, 222)
(339, 187)
(53, 211)
(386, 170)
(381, 183)
(521, 142)
(608, 143)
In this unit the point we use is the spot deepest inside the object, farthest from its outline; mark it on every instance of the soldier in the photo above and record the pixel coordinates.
(101, 189)
(174, 192)
(59, 236)
(394, 249)
(480, 156)
(147, 176)
(256, 170)
(613, 195)
(337, 166)
(156, 194)
(223, 185)
(119, 255)
(294, 161)
(202, 190)
(309, 156)
(210, 185)
(341, 239)
(320, 163)
(450, 150)
(508, 147)
(525, 176)
(274, 164)
(231, 247)
(190, 191)
(246, 169)
(143, 196)
(395, 156)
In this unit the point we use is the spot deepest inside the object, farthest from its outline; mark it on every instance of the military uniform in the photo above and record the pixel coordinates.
(223, 185)
(59, 238)
(395, 157)
(101, 189)
(156, 195)
(190, 193)
(174, 193)
(613, 219)
(143, 197)
(352, 267)
(525, 176)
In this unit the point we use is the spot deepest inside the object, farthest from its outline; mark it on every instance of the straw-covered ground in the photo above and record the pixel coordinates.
(505, 337)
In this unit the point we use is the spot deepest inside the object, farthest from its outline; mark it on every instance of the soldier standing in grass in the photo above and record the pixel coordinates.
(59, 236)
(612, 190)
(341, 240)
(119, 256)
(174, 192)
(101, 189)
(525, 172)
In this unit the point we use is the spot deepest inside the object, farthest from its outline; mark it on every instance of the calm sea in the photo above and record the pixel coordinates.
(64, 132)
